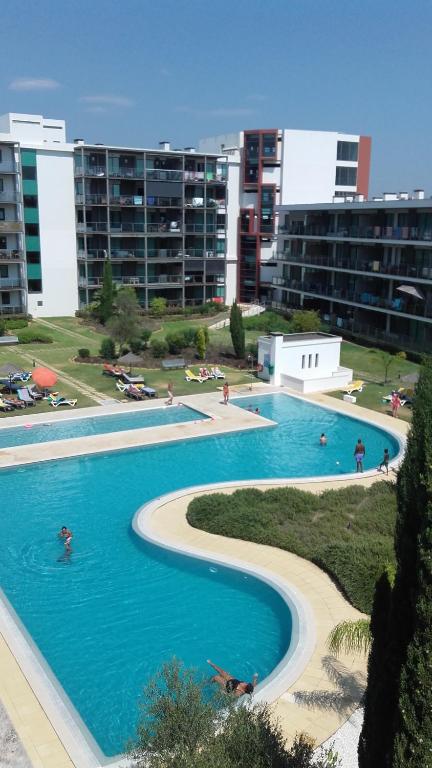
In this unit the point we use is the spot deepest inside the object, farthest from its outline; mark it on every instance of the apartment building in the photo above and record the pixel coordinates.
(159, 215)
(37, 224)
(365, 265)
(280, 167)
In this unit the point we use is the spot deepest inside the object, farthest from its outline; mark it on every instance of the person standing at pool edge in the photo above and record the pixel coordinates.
(385, 461)
(226, 393)
(170, 390)
(359, 454)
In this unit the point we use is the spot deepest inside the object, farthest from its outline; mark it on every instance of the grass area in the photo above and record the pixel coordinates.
(348, 532)
(367, 365)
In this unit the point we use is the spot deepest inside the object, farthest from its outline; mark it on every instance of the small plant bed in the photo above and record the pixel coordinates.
(348, 532)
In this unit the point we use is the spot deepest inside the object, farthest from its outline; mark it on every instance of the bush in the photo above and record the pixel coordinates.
(30, 336)
(190, 335)
(176, 341)
(158, 306)
(159, 347)
(2, 327)
(145, 336)
(136, 346)
(201, 343)
(15, 324)
(267, 321)
(83, 352)
(107, 349)
(306, 321)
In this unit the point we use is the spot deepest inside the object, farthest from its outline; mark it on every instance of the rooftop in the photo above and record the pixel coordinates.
(317, 336)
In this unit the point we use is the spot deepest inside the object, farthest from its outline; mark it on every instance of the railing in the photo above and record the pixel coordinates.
(11, 282)
(9, 197)
(165, 253)
(8, 168)
(126, 200)
(126, 173)
(164, 202)
(199, 202)
(371, 232)
(156, 174)
(157, 279)
(215, 279)
(200, 228)
(11, 226)
(11, 255)
(90, 199)
(122, 253)
(94, 170)
(12, 309)
(92, 226)
(375, 266)
(371, 332)
(195, 278)
(167, 227)
(128, 226)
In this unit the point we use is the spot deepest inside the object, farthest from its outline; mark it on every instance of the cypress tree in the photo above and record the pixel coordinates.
(237, 331)
(376, 736)
(106, 299)
(411, 623)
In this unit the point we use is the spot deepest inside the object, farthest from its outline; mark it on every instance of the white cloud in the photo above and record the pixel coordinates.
(33, 84)
(107, 100)
(218, 111)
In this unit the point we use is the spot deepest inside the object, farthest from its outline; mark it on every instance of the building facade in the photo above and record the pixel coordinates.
(13, 288)
(365, 265)
(160, 216)
(279, 167)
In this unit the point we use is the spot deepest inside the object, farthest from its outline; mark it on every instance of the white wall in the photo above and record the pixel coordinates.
(34, 128)
(233, 212)
(214, 143)
(57, 235)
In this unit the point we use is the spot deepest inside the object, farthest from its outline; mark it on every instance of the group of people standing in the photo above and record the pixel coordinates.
(360, 453)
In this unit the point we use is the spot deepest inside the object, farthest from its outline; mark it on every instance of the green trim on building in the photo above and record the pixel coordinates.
(32, 243)
(34, 272)
(28, 157)
(31, 215)
(29, 187)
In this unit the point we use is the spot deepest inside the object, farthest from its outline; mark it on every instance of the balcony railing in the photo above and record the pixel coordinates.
(158, 279)
(11, 283)
(199, 202)
(172, 227)
(215, 279)
(126, 200)
(127, 226)
(159, 174)
(9, 225)
(92, 226)
(360, 264)
(164, 202)
(95, 282)
(129, 253)
(199, 228)
(11, 255)
(165, 253)
(12, 309)
(6, 167)
(9, 197)
(86, 170)
(194, 278)
(370, 232)
(126, 173)
(90, 199)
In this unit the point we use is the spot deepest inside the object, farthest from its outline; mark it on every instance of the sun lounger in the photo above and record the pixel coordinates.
(205, 373)
(191, 376)
(112, 370)
(14, 402)
(21, 376)
(132, 379)
(5, 406)
(217, 373)
(355, 386)
(34, 393)
(25, 397)
(62, 401)
(134, 393)
(121, 386)
(148, 391)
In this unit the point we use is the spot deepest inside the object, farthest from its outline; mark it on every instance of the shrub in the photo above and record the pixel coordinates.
(158, 306)
(304, 321)
(201, 343)
(159, 347)
(136, 346)
(15, 324)
(31, 336)
(176, 341)
(84, 352)
(145, 336)
(2, 327)
(190, 335)
(107, 349)
(267, 321)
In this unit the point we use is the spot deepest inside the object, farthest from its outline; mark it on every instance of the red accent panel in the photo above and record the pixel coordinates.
(363, 171)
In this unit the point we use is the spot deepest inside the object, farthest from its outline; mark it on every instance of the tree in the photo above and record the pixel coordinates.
(158, 306)
(107, 349)
(200, 342)
(376, 735)
(105, 306)
(124, 325)
(411, 616)
(386, 361)
(237, 331)
(306, 321)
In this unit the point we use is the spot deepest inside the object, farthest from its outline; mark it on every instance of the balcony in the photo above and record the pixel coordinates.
(10, 225)
(164, 202)
(126, 173)
(165, 279)
(90, 199)
(156, 174)
(165, 253)
(6, 167)
(360, 264)
(200, 228)
(9, 197)
(130, 200)
(11, 283)
(92, 226)
(215, 279)
(370, 232)
(11, 255)
(194, 278)
(199, 202)
(127, 226)
(128, 253)
(12, 309)
(96, 282)
(170, 228)
(93, 170)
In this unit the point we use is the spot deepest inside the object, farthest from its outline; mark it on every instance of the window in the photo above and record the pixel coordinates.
(347, 150)
(5, 298)
(33, 257)
(303, 361)
(316, 360)
(32, 229)
(29, 172)
(310, 361)
(2, 214)
(3, 243)
(1, 185)
(346, 176)
(4, 271)
(30, 201)
(40, 303)
(34, 286)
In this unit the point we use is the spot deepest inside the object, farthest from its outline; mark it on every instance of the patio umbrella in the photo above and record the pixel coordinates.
(411, 290)
(7, 371)
(410, 378)
(130, 359)
(44, 378)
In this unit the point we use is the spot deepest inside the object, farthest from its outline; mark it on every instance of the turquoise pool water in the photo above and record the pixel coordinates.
(107, 617)
(96, 425)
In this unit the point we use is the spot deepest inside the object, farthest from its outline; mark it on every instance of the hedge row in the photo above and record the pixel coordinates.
(348, 533)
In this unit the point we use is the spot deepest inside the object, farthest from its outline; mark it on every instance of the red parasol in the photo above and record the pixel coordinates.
(43, 377)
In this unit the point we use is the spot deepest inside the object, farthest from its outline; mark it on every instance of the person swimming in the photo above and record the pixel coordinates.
(67, 536)
(230, 684)
(323, 439)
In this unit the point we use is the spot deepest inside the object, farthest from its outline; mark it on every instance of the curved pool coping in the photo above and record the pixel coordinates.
(68, 726)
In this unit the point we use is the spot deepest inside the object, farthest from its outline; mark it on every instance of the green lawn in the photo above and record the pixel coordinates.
(348, 532)
(367, 366)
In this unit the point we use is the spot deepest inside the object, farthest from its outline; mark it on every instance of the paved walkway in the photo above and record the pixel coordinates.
(326, 692)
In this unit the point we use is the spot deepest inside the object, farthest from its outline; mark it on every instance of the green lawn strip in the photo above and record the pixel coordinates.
(348, 532)
(77, 326)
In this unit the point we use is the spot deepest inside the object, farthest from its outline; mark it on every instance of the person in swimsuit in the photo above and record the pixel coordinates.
(323, 439)
(385, 461)
(230, 684)
(170, 389)
(226, 393)
(359, 454)
(66, 535)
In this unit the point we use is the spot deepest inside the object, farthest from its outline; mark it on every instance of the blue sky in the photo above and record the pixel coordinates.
(134, 72)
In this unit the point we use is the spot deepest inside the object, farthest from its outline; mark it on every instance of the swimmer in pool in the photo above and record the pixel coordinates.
(323, 439)
(230, 684)
(66, 535)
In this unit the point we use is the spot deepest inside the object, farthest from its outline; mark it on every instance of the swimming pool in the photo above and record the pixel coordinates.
(41, 432)
(106, 618)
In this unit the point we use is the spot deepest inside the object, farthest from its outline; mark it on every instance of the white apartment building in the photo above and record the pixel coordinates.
(282, 167)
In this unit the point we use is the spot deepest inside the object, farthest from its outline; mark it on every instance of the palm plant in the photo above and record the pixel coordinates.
(350, 637)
